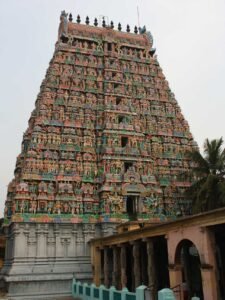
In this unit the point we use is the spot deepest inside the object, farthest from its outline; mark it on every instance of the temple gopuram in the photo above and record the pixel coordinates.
(105, 144)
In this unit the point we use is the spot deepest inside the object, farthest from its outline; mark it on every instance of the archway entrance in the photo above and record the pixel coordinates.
(187, 257)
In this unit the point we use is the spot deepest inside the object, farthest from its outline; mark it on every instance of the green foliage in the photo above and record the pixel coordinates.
(208, 189)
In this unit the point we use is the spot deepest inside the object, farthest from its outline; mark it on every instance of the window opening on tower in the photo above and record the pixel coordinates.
(124, 141)
(132, 207)
(118, 100)
(109, 47)
(121, 119)
(127, 165)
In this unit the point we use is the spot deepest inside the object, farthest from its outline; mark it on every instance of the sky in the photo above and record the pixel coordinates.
(189, 36)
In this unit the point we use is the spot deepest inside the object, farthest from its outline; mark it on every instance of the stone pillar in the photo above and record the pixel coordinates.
(89, 232)
(42, 231)
(175, 272)
(7, 254)
(58, 245)
(74, 238)
(116, 267)
(80, 247)
(65, 242)
(209, 283)
(8, 245)
(144, 264)
(123, 265)
(137, 269)
(152, 282)
(106, 267)
(19, 241)
(96, 263)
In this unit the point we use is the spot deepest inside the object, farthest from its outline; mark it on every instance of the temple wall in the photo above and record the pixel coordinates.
(45, 257)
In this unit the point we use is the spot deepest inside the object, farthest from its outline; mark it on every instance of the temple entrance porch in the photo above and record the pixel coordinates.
(186, 255)
(133, 264)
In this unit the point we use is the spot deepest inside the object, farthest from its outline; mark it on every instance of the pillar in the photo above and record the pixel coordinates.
(175, 272)
(42, 232)
(20, 244)
(144, 264)
(209, 283)
(96, 264)
(8, 245)
(137, 269)
(209, 265)
(58, 245)
(123, 266)
(116, 267)
(106, 267)
(152, 280)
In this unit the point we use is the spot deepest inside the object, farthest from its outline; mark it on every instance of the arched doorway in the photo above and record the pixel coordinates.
(187, 257)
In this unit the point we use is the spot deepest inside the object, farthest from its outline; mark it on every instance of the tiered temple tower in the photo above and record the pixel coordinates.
(106, 143)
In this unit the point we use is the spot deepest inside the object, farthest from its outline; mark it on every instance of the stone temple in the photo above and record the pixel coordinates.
(105, 144)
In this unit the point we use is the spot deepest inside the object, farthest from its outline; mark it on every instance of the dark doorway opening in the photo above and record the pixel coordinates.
(132, 207)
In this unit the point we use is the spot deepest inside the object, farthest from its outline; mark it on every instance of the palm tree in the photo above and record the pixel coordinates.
(208, 189)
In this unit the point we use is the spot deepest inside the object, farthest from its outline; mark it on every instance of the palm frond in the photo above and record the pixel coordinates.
(201, 163)
(213, 154)
(208, 192)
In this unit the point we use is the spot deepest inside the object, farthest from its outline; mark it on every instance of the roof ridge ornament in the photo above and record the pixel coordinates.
(78, 19)
(87, 21)
(143, 30)
(70, 17)
(95, 22)
(63, 25)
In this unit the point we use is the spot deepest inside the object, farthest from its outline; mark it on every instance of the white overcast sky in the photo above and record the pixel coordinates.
(189, 36)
